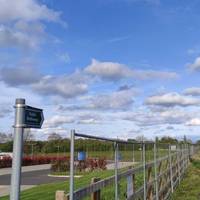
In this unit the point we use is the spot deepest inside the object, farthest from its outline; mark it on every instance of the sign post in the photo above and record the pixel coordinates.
(25, 117)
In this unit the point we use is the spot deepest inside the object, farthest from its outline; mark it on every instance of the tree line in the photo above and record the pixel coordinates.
(56, 144)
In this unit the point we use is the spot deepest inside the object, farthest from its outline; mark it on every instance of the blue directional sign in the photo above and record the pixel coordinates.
(33, 117)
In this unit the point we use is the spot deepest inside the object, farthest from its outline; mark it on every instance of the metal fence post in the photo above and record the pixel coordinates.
(178, 162)
(155, 171)
(133, 154)
(182, 158)
(72, 165)
(171, 170)
(144, 169)
(17, 149)
(116, 170)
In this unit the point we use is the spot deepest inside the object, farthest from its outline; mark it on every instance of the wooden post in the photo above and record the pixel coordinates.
(160, 184)
(96, 195)
(149, 188)
(60, 195)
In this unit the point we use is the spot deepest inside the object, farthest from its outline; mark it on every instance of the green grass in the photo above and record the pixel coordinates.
(47, 191)
(126, 155)
(189, 188)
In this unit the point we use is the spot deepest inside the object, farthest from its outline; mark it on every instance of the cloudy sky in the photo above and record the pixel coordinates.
(116, 68)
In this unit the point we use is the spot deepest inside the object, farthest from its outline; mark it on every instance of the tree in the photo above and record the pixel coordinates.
(168, 140)
(54, 136)
(28, 135)
(5, 137)
(141, 138)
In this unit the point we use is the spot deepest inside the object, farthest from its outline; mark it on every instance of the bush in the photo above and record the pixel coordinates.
(60, 165)
(28, 161)
(92, 164)
(6, 162)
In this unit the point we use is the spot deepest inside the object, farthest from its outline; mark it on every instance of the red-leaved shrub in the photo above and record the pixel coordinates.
(92, 164)
(35, 160)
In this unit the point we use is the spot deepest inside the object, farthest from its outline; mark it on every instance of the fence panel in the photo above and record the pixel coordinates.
(119, 170)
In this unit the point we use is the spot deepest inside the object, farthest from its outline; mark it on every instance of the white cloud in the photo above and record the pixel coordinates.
(36, 28)
(172, 99)
(22, 23)
(28, 10)
(113, 71)
(13, 38)
(66, 86)
(108, 70)
(146, 118)
(122, 99)
(89, 118)
(193, 91)
(57, 121)
(152, 74)
(89, 121)
(193, 122)
(8, 95)
(25, 75)
(195, 66)
(4, 111)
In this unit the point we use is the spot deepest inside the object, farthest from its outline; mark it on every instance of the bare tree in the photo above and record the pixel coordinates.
(54, 136)
(5, 137)
(28, 135)
(141, 138)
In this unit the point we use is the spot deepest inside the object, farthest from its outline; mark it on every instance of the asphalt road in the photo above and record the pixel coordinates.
(32, 178)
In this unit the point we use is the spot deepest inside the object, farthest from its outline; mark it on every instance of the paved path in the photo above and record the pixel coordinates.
(31, 176)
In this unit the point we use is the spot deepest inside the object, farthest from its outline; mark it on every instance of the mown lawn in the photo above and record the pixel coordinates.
(189, 188)
(47, 191)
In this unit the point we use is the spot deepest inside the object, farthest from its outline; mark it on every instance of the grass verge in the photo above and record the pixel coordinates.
(189, 188)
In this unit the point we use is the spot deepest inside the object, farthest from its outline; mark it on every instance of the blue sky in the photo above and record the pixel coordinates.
(122, 67)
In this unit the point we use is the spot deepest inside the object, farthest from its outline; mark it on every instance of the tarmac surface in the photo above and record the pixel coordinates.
(31, 176)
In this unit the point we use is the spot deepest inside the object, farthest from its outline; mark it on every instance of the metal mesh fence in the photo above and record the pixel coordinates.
(116, 169)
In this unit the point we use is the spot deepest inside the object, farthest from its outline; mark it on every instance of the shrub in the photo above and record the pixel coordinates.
(60, 165)
(27, 160)
(92, 164)
(6, 162)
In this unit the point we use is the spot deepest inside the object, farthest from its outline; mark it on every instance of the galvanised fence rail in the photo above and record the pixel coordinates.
(156, 175)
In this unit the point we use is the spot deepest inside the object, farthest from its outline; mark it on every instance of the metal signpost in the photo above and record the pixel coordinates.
(25, 117)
